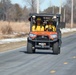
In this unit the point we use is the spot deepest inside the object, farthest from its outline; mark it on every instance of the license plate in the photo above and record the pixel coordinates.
(42, 44)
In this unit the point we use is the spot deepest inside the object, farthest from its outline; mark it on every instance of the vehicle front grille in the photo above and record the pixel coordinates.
(40, 37)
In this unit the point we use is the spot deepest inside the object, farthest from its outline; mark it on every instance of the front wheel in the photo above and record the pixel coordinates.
(56, 48)
(29, 47)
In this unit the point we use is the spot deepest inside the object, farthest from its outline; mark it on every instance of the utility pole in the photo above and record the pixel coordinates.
(60, 8)
(53, 10)
(64, 15)
(72, 14)
(38, 6)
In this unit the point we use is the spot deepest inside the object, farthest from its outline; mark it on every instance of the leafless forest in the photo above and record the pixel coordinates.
(13, 12)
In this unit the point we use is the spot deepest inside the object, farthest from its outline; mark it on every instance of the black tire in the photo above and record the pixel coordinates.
(56, 48)
(29, 47)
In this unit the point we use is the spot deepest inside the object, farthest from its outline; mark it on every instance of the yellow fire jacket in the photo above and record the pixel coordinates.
(52, 27)
(37, 28)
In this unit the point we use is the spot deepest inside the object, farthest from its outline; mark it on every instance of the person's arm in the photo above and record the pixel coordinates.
(46, 27)
(33, 28)
(53, 28)
(42, 28)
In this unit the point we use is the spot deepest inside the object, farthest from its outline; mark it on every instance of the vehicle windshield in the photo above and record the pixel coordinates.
(43, 24)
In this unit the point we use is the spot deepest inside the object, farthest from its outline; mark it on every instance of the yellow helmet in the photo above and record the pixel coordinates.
(38, 19)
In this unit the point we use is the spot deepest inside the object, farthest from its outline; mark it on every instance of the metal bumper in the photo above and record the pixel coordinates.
(43, 41)
(37, 46)
(42, 47)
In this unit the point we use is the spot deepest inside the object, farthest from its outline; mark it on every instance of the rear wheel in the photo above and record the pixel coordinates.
(56, 48)
(29, 47)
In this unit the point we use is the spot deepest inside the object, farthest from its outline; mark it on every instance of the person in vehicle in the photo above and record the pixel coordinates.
(38, 26)
(50, 26)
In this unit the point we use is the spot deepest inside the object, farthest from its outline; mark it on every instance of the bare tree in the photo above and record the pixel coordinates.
(6, 4)
(25, 14)
(67, 6)
(31, 4)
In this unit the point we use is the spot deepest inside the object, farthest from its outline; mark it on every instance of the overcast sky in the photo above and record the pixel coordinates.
(44, 5)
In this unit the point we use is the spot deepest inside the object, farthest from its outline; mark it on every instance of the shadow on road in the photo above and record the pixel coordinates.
(38, 52)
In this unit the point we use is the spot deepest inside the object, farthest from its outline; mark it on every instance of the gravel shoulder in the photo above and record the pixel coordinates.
(11, 46)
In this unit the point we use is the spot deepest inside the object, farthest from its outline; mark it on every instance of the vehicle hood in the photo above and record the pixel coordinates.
(43, 33)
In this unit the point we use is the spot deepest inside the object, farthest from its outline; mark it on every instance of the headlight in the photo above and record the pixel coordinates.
(32, 35)
(53, 35)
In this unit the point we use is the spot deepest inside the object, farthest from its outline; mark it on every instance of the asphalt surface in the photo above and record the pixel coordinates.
(43, 62)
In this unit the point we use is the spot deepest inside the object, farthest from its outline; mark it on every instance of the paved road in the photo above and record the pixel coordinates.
(18, 62)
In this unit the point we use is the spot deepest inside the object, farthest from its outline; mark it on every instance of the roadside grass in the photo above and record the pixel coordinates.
(69, 25)
(13, 29)
(11, 46)
(16, 26)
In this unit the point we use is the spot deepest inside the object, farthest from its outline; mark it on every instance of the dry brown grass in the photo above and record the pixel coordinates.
(13, 27)
(16, 26)
(69, 25)
(6, 29)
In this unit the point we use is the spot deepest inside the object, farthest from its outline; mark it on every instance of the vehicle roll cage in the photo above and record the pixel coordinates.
(33, 16)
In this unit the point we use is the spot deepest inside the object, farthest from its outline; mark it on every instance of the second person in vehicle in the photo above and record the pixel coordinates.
(50, 26)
